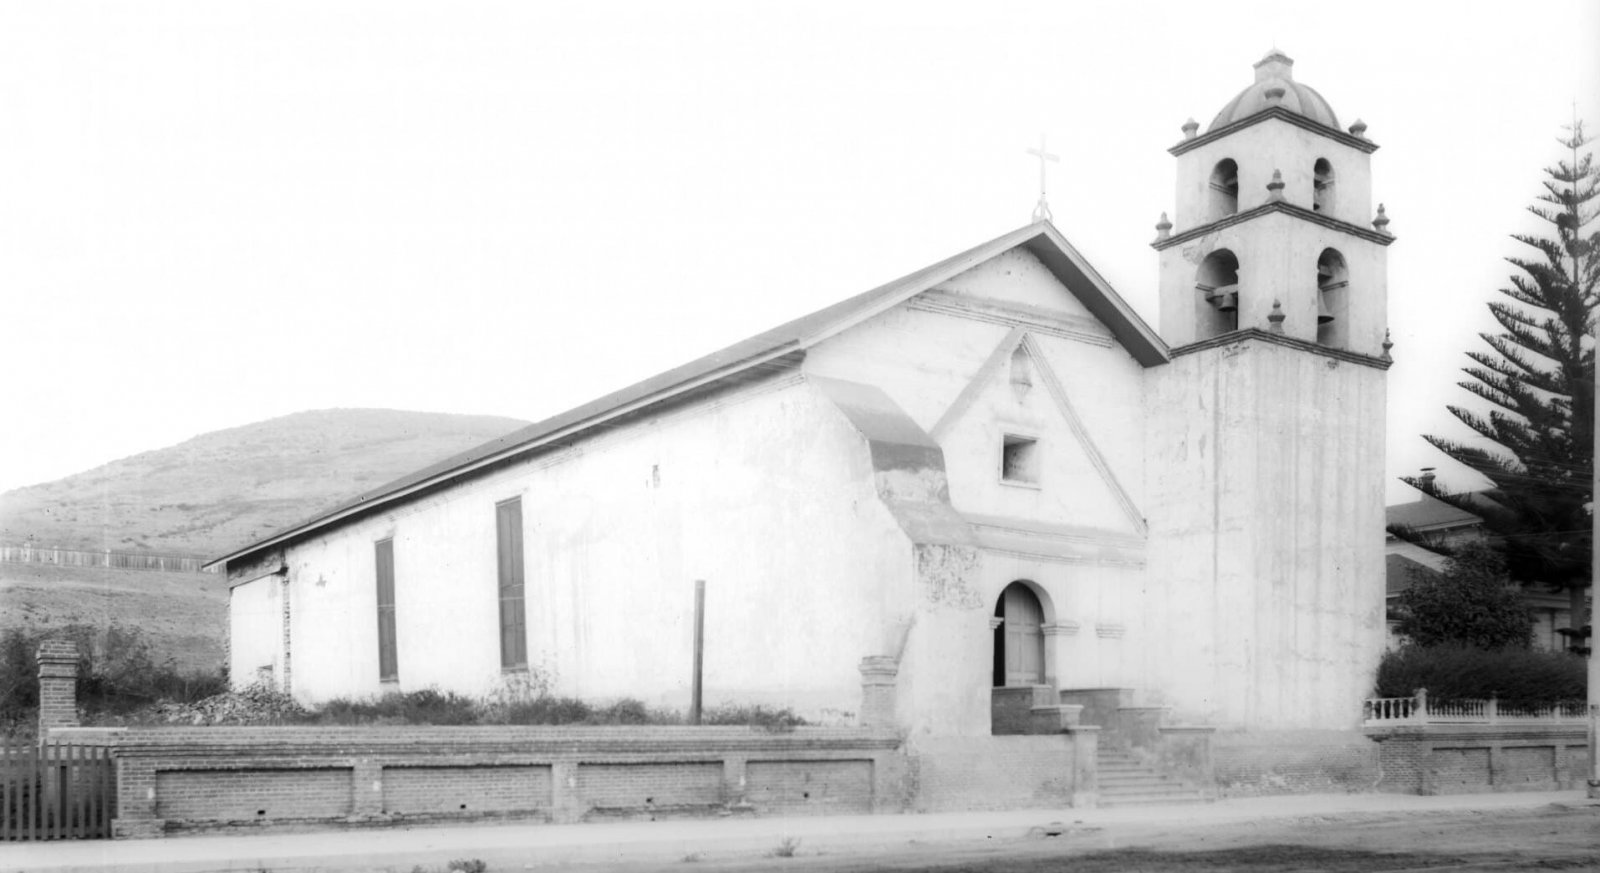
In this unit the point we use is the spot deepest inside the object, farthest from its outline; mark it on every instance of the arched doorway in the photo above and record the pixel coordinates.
(1019, 637)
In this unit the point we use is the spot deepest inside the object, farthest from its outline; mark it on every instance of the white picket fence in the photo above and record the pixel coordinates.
(1381, 711)
(104, 558)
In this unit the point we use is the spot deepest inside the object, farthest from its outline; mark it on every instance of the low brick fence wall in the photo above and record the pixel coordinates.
(221, 778)
(1265, 763)
(1462, 759)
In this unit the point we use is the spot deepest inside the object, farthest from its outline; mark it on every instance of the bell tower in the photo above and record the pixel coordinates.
(1268, 426)
(1274, 206)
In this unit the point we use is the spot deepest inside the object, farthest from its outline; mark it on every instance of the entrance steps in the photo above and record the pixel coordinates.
(1125, 780)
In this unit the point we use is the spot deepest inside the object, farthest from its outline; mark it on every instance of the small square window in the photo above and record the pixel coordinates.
(1019, 459)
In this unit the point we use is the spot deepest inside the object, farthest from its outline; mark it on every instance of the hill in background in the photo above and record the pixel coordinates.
(222, 490)
(206, 497)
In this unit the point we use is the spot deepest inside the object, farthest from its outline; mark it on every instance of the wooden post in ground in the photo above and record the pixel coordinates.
(1594, 573)
(699, 648)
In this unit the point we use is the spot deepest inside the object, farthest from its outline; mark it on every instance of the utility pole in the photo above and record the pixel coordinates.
(1594, 574)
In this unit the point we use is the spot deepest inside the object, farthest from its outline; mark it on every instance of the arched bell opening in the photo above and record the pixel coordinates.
(1217, 295)
(1020, 616)
(1224, 198)
(1333, 299)
(1322, 190)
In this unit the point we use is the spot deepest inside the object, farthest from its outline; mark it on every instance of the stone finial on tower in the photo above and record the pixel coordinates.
(1275, 187)
(1359, 129)
(1381, 223)
(1387, 345)
(1275, 318)
(1163, 228)
(1276, 65)
(1190, 128)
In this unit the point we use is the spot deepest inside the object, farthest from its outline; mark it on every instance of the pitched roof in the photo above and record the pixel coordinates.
(1041, 239)
(1429, 514)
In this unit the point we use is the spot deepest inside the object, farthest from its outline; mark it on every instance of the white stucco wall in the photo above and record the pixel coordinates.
(1278, 262)
(766, 493)
(948, 350)
(255, 630)
(1270, 145)
(1266, 564)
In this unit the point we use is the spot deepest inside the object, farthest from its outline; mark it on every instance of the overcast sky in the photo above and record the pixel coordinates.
(214, 213)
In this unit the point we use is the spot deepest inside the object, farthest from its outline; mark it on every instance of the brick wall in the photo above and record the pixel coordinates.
(1011, 707)
(495, 788)
(1257, 763)
(190, 779)
(1007, 772)
(1456, 759)
(810, 787)
(666, 786)
(249, 795)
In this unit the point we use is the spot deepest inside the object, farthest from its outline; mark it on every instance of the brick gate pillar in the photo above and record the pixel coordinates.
(58, 685)
(878, 674)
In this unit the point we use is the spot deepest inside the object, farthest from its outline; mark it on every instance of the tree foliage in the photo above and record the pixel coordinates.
(1472, 603)
(1518, 677)
(1537, 377)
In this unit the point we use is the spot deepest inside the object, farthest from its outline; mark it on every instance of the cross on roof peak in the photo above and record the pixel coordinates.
(1041, 210)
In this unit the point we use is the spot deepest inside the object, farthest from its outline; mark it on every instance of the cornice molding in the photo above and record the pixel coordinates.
(1360, 144)
(1300, 212)
(1256, 333)
(1049, 322)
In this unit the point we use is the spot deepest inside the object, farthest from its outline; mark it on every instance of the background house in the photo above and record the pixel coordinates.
(1445, 525)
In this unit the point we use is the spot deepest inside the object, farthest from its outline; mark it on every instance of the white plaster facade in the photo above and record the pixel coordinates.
(1201, 519)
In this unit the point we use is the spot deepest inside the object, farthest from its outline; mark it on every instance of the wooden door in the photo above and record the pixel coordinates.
(1024, 635)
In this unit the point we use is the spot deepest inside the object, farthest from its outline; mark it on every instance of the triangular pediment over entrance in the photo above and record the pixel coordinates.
(1040, 463)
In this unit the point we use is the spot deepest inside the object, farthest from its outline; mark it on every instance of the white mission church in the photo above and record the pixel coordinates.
(989, 473)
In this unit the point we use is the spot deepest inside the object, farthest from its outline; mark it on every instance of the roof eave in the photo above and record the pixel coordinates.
(1040, 238)
(307, 528)
(1359, 143)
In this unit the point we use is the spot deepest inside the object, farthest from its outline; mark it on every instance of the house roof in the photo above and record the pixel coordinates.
(771, 348)
(1429, 514)
(1402, 559)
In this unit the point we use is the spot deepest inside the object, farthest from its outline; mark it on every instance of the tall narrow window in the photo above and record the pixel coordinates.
(513, 619)
(388, 662)
(1224, 189)
(1217, 300)
(1322, 186)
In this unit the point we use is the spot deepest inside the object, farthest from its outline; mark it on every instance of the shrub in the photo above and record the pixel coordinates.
(1457, 672)
(255, 704)
(424, 706)
(1473, 602)
(756, 715)
(118, 675)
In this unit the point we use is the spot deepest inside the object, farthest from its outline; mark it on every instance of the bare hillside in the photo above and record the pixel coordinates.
(181, 615)
(222, 489)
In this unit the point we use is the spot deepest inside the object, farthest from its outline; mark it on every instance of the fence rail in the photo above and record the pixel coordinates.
(55, 791)
(113, 560)
(1419, 709)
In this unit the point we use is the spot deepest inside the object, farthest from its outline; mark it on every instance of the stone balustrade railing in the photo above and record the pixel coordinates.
(1418, 709)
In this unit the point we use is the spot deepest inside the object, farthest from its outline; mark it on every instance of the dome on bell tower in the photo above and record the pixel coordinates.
(1275, 86)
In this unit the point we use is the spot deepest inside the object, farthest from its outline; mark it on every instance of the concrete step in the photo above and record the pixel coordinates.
(1145, 780)
(1153, 787)
(1185, 799)
(1125, 780)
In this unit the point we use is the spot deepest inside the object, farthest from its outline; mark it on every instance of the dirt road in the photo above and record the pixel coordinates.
(1555, 837)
